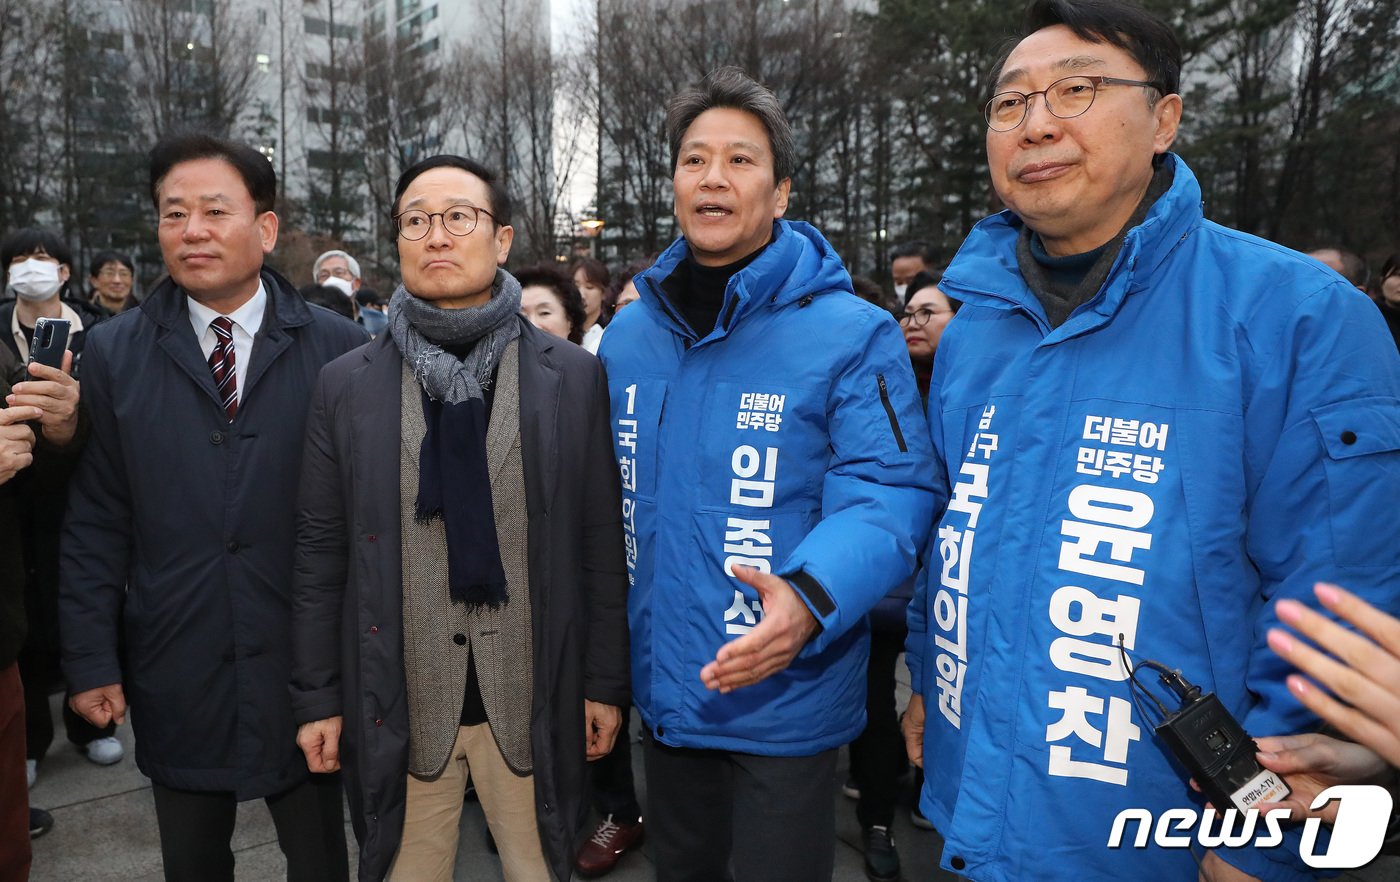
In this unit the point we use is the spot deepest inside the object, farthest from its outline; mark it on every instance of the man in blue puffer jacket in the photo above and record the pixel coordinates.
(1155, 428)
(776, 483)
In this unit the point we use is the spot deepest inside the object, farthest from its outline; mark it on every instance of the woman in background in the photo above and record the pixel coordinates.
(553, 304)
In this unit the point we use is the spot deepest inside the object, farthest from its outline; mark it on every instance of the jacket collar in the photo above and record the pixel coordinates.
(797, 263)
(166, 304)
(985, 272)
(64, 312)
(286, 309)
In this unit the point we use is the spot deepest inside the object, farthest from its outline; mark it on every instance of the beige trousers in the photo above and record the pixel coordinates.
(428, 849)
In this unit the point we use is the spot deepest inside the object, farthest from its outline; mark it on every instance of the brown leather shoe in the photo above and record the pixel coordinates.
(607, 845)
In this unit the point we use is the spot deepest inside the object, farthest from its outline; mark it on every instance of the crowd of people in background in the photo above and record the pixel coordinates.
(727, 488)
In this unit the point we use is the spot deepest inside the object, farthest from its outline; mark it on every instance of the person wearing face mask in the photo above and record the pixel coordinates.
(38, 265)
(906, 261)
(338, 270)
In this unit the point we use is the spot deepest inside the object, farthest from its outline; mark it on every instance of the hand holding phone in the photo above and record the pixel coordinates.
(50, 342)
(48, 385)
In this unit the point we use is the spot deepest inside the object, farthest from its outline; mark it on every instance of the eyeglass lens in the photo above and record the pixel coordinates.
(459, 220)
(1064, 98)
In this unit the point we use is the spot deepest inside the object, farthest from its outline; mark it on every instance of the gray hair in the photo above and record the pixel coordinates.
(732, 88)
(350, 262)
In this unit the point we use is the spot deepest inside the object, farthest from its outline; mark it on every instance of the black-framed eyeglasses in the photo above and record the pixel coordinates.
(459, 220)
(918, 318)
(1066, 99)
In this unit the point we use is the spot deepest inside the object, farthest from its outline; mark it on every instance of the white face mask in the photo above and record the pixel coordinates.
(899, 291)
(35, 279)
(340, 284)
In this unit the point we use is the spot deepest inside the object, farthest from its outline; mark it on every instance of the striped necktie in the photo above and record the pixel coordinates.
(221, 363)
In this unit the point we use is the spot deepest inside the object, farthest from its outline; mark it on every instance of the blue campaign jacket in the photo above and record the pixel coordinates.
(1217, 429)
(789, 438)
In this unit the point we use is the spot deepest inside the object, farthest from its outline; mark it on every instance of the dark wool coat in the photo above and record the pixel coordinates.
(181, 527)
(348, 631)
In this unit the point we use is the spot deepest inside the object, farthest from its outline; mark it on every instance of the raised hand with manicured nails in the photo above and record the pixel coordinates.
(1361, 668)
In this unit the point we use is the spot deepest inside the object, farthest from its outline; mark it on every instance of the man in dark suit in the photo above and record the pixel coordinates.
(181, 520)
(460, 600)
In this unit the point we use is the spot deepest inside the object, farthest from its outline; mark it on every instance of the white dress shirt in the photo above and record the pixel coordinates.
(592, 337)
(246, 321)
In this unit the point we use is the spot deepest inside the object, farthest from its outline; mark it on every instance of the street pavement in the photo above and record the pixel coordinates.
(105, 829)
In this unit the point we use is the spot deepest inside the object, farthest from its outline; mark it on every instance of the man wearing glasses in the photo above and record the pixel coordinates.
(1153, 427)
(463, 613)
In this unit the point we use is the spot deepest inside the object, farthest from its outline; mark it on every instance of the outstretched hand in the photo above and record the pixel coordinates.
(1311, 763)
(773, 643)
(1362, 669)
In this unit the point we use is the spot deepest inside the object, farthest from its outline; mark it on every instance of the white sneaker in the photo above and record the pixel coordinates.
(31, 771)
(104, 751)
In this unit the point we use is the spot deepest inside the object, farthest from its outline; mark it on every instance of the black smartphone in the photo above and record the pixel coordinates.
(50, 342)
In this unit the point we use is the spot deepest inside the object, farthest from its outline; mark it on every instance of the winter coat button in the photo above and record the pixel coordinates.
(958, 863)
(459, 639)
(233, 547)
(374, 629)
(216, 437)
(1348, 437)
(378, 722)
(372, 538)
(660, 731)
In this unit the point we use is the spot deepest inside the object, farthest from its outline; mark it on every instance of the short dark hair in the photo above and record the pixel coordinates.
(31, 240)
(930, 279)
(500, 199)
(922, 279)
(620, 280)
(910, 249)
(732, 88)
(367, 296)
(1147, 39)
(333, 299)
(551, 277)
(254, 168)
(102, 258)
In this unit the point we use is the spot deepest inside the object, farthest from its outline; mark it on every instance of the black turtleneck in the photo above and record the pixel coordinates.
(698, 291)
(1062, 284)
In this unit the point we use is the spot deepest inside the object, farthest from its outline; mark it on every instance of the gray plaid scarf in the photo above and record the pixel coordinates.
(422, 329)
